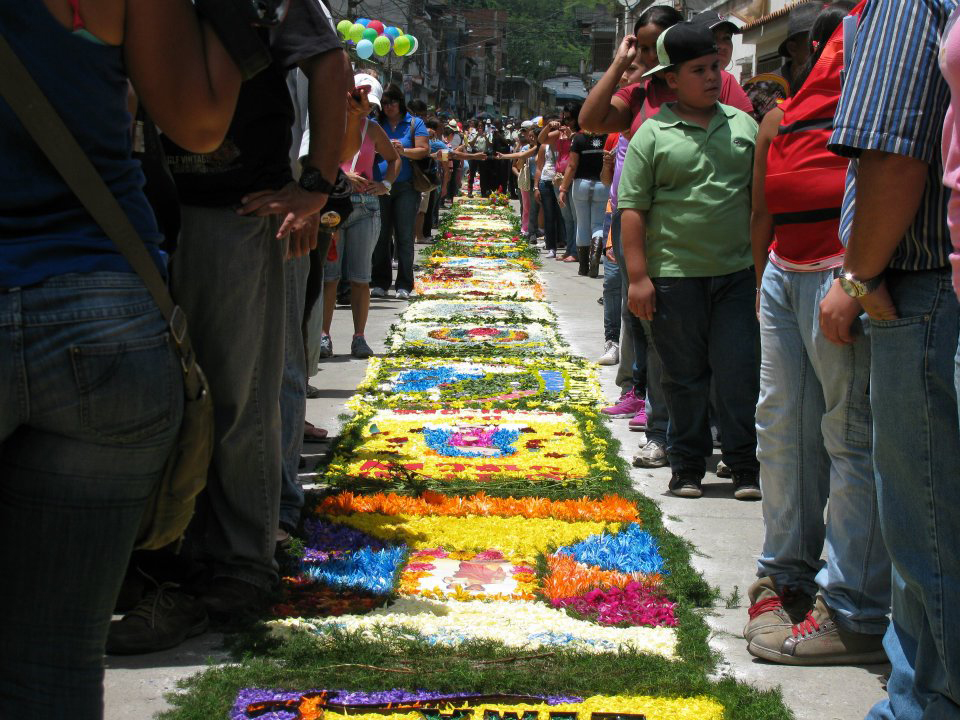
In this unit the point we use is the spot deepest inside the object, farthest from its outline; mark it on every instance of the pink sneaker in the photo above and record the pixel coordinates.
(627, 406)
(639, 421)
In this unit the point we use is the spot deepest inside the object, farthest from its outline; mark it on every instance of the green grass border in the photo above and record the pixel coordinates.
(349, 661)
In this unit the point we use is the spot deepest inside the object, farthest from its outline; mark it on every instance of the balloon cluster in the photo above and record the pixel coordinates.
(373, 37)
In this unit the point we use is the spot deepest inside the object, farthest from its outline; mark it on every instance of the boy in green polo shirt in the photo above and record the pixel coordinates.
(684, 196)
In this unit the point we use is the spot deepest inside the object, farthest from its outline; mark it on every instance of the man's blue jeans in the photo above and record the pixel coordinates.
(707, 327)
(814, 442)
(90, 405)
(293, 390)
(398, 210)
(917, 456)
(227, 274)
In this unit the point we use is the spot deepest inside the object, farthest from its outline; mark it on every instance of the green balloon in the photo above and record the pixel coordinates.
(356, 32)
(381, 46)
(343, 27)
(370, 34)
(401, 46)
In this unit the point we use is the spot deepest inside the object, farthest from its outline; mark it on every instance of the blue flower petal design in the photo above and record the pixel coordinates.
(371, 570)
(423, 379)
(631, 550)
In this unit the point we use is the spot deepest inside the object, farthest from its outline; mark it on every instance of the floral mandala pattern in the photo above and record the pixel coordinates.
(478, 395)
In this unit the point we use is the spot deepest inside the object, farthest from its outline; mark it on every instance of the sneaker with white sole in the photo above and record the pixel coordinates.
(651, 455)
(403, 294)
(611, 354)
(686, 484)
(326, 346)
(551, 253)
(638, 422)
(627, 406)
(773, 609)
(818, 640)
(378, 292)
(724, 471)
(746, 485)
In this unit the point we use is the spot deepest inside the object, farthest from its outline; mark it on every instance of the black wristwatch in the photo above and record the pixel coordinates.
(312, 181)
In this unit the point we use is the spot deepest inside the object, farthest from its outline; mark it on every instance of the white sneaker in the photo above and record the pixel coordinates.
(611, 354)
(403, 294)
(651, 455)
(551, 253)
(377, 292)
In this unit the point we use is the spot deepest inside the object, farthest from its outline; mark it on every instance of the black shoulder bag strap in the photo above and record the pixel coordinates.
(48, 130)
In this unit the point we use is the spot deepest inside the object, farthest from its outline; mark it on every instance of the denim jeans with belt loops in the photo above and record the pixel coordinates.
(90, 406)
(814, 442)
(917, 454)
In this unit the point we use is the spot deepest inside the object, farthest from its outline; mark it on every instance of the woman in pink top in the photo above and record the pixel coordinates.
(357, 237)
(556, 136)
(950, 67)
(608, 109)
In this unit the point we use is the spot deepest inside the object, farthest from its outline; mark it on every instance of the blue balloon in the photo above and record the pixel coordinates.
(363, 21)
(365, 49)
(392, 32)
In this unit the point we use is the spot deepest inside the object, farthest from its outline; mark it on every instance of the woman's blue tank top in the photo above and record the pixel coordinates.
(44, 230)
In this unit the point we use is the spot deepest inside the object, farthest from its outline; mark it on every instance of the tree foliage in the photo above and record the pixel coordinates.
(542, 34)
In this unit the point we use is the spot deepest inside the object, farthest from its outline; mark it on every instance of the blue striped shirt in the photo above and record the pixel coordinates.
(894, 100)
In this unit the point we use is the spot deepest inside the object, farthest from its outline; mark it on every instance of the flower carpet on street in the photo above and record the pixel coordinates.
(478, 310)
(474, 381)
(474, 549)
(478, 284)
(457, 338)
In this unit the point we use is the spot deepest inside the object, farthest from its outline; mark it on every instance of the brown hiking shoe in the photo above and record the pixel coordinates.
(818, 640)
(772, 610)
(766, 611)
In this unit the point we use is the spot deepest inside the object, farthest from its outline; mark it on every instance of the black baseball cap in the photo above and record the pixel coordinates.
(712, 19)
(681, 42)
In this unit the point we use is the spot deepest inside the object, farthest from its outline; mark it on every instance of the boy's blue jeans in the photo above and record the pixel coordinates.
(917, 456)
(90, 405)
(814, 442)
(707, 327)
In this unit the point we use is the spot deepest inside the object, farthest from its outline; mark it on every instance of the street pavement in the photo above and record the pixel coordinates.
(727, 534)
